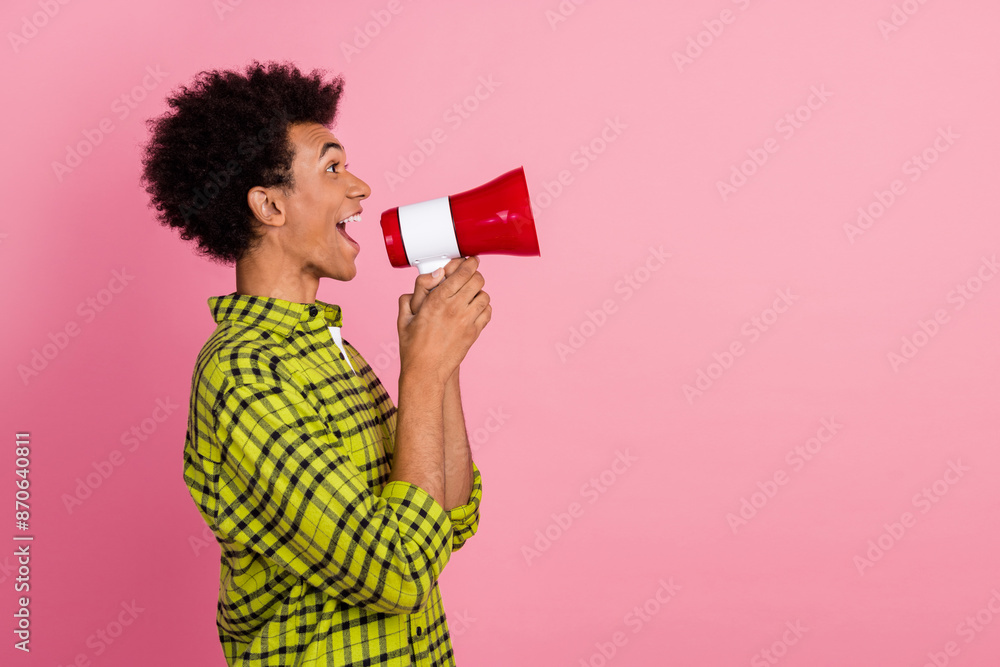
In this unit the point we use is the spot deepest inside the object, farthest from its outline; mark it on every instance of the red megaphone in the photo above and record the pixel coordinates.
(494, 218)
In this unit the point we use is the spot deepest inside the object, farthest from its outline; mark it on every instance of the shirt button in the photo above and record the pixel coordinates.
(313, 310)
(420, 631)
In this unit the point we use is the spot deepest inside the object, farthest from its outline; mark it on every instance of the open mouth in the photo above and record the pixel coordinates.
(342, 228)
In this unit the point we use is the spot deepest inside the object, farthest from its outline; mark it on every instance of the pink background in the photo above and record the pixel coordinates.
(650, 563)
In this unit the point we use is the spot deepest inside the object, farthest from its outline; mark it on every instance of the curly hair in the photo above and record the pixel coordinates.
(225, 134)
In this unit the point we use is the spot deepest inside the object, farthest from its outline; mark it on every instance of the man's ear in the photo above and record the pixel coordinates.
(267, 205)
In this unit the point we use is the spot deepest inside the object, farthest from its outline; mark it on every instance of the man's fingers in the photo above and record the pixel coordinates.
(458, 273)
(452, 266)
(461, 276)
(472, 287)
(405, 312)
(423, 285)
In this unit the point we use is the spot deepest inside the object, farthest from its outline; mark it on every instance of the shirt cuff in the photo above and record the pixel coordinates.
(465, 518)
(422, 521)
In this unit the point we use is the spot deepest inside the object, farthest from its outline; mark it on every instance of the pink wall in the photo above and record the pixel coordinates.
(713, 421)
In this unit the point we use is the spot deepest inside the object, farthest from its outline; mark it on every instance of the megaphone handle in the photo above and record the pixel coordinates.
(432, 265)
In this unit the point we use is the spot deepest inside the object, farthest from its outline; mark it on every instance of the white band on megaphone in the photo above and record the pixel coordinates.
(428, 233)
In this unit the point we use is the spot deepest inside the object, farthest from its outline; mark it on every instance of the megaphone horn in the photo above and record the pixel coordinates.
(494, 218)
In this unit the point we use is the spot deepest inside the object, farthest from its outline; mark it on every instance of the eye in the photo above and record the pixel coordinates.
(334, 166)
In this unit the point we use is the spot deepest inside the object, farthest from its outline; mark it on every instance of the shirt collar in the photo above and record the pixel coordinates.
(272, 314)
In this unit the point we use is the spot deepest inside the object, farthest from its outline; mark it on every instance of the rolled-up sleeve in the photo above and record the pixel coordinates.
(289, 490)
(465, 518)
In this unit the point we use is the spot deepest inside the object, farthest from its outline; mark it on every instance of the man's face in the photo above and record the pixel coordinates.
(325, 194)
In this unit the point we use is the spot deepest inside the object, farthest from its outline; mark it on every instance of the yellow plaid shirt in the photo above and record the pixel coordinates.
(287, 454)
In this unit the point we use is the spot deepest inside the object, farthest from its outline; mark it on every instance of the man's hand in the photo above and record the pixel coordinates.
(425, 282)
(449, 321)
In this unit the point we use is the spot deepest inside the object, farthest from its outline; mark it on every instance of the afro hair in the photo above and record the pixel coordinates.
(225, 134)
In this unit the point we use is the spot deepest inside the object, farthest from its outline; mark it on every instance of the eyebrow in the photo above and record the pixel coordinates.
(327, 146)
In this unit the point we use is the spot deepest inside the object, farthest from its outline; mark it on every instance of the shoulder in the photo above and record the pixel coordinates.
(236, 355)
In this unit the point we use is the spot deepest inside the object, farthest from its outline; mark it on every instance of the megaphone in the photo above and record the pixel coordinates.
(494, 218)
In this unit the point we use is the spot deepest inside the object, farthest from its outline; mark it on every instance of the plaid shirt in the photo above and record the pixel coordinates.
(287, 455)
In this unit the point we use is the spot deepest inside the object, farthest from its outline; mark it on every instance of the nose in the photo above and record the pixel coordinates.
(359, 188)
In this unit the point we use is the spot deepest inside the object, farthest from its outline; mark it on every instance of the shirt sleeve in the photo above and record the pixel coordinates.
(465, 518)
(289, 490)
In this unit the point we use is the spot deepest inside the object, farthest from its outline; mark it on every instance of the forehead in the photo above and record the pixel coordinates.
(309, 138)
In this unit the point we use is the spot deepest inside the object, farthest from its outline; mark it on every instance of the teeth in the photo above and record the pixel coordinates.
(353, 218)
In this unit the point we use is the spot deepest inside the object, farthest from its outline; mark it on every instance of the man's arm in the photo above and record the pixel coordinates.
(457, 455)
(431, 348)
(290, 491)
(419, 456)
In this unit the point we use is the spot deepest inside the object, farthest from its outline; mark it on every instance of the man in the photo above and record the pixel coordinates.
(335, 512)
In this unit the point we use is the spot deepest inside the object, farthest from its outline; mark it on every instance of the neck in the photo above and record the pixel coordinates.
(275, 278)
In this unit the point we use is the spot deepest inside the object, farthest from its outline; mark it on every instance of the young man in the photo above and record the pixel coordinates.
(335, 512)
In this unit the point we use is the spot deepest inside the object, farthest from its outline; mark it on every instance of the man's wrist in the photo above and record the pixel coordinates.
(415, 380)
